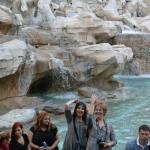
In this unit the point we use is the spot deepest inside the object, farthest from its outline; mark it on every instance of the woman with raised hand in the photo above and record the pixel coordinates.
(77, 132)
(101, 136)
(19, 140)
(44, 134)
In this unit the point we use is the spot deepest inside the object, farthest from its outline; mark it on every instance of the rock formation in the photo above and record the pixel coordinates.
(20, 115)
(50, 46)
(64, 45)
(140, 44)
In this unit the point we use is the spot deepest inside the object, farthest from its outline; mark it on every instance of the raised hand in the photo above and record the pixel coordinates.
(67, 104)
(92, 104)
(93, 99)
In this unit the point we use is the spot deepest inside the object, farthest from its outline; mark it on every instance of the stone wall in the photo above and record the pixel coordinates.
(148, 6)
(140, 44)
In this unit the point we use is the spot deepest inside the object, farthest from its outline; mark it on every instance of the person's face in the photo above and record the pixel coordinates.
(80, 111)
(99, 112)
(46, 120)
(18, 131)
(144, 135)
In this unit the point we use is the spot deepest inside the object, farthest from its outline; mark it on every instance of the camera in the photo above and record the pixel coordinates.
(100, 143)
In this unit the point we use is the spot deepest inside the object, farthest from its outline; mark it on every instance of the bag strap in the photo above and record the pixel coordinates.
(75, 129)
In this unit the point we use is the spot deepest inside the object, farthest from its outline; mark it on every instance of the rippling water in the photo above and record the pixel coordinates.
(126, 112)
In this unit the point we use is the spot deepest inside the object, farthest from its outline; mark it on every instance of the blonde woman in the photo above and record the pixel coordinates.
(102, 136)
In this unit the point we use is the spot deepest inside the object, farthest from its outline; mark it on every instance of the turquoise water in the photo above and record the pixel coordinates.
(127, 111)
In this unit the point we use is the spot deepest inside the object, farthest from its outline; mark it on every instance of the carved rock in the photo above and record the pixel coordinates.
(21, 66)
(5, 21)
(20, 115)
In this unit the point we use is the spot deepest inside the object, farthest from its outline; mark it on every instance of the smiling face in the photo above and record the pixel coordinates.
(100, 109)
(99, 112)
(46, 120)
(18, 131)
(80, 111)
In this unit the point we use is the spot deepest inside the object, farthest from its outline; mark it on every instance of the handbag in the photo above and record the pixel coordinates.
(78, 145)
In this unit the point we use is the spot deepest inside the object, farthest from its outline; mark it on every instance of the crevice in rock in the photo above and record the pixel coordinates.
(41, 85)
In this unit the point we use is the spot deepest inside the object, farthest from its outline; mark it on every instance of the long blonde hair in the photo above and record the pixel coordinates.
(39, 121)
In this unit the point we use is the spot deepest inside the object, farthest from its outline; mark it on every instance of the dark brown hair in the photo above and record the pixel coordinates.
(16, 125)
(144, 127)
(84, 117)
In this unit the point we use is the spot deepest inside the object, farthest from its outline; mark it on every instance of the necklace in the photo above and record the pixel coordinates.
(21, 140)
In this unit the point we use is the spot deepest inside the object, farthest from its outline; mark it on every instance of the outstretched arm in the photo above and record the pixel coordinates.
(67, 104)
(68, 113)
(92, 104)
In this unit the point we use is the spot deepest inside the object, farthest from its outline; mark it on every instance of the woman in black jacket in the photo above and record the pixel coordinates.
(19, 140)
(43, 135)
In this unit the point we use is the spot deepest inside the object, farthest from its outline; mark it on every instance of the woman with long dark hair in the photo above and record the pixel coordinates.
(43, 135)
(19, 140)
(76, 136)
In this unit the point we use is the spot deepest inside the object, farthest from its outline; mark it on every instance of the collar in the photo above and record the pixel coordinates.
(138, 143)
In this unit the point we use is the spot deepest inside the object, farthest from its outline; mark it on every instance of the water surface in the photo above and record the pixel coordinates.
(127, 111)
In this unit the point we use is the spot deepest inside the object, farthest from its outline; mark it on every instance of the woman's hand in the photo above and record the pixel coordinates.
(43, 148)
(50, 148)
(55, 144)
(107, 145)
(67, 104)
(93, 99)
(92, 104)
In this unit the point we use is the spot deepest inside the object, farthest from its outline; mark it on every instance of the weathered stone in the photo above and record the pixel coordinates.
(144, 23)
(22, 66)
(65, 54)
(89, 91)
(37, 36)
(140, 44)
(133, 68)
(54, 109)
(147, 10)
(4, 16)
(95, 59)
(12, 56)
(98, 63)
(5, 21)
(136, 8)
(18, 102)
(16, 115)
(86, 28)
